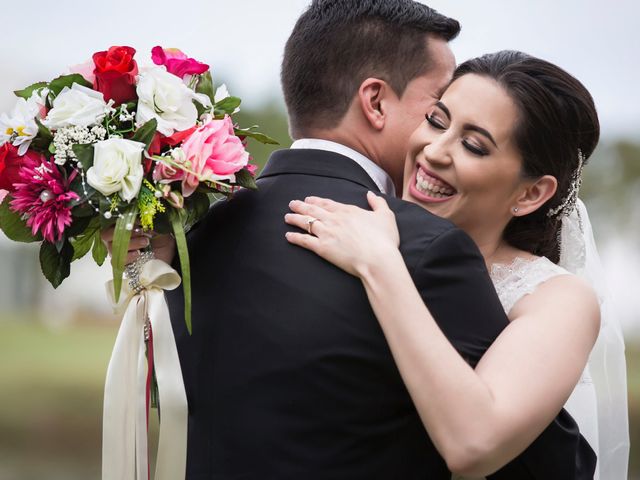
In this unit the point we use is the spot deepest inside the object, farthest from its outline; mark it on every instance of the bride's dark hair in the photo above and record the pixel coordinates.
(557, 123)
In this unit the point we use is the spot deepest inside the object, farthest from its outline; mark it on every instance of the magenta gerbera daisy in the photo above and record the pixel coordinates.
(44, 197)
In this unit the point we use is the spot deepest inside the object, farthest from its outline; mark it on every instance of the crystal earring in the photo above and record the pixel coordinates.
(515, 209)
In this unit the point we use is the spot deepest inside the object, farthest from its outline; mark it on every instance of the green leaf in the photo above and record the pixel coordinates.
(99, 251)
(246, 180)
(55, 266)
(205, 85)
(196, 207)
(120, 246)
(162, 224)
(13, 226)
(82, 242)
(145, 133)
(81, 246)
(81, 206)
(84, 153)
(227, 105)
(82, 210)
(56, 85)
(259, 137)
(176, 217)
(43, 138)
(27, 92)
(79, 226)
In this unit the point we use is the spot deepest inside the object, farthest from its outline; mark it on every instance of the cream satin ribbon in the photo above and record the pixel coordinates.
(124, 436)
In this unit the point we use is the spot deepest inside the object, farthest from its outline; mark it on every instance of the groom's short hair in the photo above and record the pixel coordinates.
(337, 44)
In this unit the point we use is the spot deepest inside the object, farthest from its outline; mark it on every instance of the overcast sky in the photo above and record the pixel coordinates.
(243, 41)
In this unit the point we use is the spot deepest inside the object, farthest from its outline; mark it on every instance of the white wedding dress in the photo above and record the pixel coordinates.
(522, 277)
(598, 403)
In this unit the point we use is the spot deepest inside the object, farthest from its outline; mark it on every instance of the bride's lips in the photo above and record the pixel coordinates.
(425, 186)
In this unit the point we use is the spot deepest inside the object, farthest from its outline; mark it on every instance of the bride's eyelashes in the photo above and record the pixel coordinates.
(476, 150)
(434, 121)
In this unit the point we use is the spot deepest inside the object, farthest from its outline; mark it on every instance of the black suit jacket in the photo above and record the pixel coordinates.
(288, 373)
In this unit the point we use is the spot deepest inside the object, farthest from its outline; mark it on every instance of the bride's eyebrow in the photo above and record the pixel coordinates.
(468, 126)
(444, 108)
(481, 131)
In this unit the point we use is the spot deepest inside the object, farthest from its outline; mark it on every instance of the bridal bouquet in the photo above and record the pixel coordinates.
(112, 143)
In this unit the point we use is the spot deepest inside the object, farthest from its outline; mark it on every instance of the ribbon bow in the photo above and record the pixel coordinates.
(124, 436)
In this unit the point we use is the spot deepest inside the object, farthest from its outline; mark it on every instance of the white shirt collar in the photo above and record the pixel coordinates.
(377, 174)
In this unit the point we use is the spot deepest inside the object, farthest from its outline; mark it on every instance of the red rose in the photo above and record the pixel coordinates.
(115, 73)
(160, 141)
(10, 163)
(2, 157)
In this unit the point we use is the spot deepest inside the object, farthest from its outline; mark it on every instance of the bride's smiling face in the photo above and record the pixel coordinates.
(462, 162)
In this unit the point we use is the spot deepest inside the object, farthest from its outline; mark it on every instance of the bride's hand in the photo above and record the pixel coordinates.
(163, 245)
(350, 237)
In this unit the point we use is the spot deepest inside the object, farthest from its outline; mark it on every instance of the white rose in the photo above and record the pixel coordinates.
(77, 106)
(163, 96)
(117, 167)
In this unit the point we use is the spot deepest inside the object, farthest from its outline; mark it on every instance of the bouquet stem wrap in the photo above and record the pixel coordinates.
(125, 450)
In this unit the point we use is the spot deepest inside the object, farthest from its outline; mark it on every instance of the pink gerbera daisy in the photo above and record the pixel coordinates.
(43, 196)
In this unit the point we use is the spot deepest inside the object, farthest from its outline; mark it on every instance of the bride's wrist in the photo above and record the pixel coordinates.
(379, 266)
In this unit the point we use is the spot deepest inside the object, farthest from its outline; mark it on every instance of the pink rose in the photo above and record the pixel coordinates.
(86, 70)
(177, 62)
(164, 173)
(213, 152)
(175, 199)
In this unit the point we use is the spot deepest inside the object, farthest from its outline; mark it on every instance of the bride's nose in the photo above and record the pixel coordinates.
(437, 152)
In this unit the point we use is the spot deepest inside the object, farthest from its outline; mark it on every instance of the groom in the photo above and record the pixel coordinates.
(288, 374)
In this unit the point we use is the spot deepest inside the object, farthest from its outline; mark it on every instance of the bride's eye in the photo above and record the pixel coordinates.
(434, 121)
(476, 150)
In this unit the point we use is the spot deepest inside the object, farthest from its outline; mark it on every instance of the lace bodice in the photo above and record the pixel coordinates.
(522, 277)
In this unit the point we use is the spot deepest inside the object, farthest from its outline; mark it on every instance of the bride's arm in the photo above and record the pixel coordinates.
(478, 419)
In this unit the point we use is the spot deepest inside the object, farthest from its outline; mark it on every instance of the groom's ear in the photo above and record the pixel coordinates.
(536, 193)
(371, 96)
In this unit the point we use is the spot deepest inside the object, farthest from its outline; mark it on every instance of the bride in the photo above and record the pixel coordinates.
(501, 156)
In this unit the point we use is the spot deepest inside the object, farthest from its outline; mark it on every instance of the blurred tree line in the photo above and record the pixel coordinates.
(612, 188)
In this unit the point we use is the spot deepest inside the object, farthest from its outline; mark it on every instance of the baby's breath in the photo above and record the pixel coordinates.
(65, 137)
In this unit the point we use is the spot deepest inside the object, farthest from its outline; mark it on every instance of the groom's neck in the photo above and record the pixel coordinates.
(347, 137)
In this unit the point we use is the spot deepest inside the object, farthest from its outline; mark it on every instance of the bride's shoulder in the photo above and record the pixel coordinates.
(562, 294)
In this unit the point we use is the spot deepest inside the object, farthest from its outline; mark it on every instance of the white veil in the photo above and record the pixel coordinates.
(607, 365)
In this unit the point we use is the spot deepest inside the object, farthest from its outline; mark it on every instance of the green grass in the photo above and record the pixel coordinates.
(633, 385)
(51, 399)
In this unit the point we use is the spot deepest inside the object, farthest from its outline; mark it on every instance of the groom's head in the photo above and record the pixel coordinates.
(365, 72)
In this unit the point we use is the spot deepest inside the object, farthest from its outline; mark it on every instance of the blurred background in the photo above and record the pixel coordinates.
(55, 344)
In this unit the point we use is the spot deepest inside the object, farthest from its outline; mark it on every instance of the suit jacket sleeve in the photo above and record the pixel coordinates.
(453, 281)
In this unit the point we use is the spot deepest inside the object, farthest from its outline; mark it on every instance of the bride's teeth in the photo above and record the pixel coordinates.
(432, 187)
